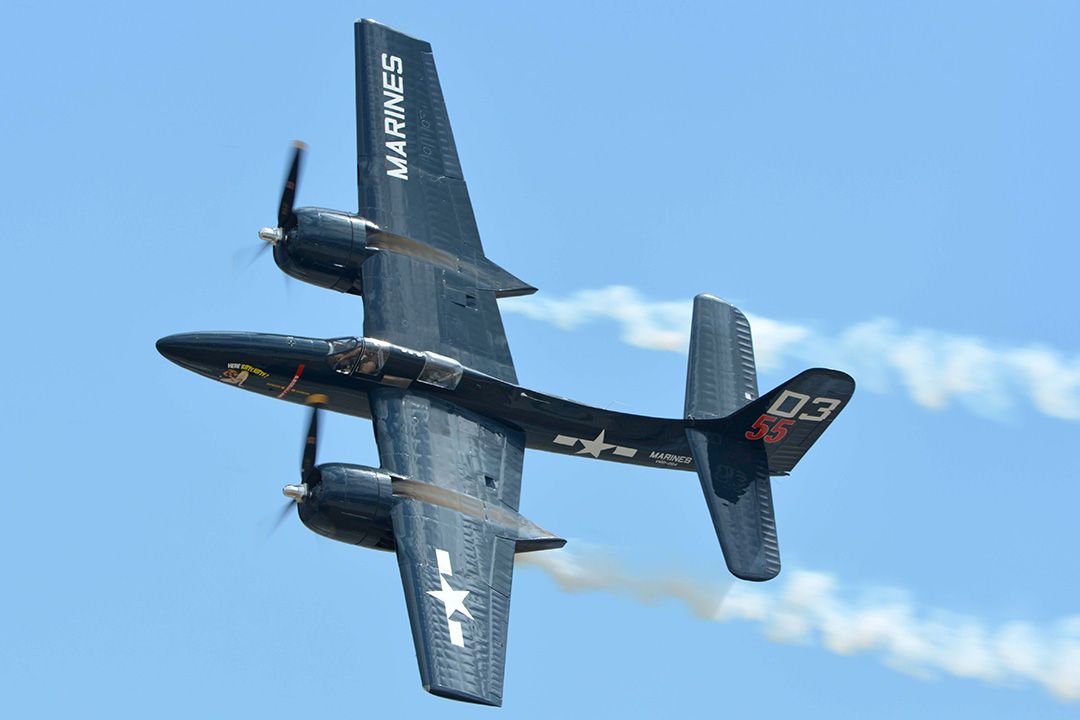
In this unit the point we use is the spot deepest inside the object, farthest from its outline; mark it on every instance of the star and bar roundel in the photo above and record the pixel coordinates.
(595, 446)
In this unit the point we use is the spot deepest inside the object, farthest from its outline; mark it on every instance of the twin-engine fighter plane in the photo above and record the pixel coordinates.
(434, 375)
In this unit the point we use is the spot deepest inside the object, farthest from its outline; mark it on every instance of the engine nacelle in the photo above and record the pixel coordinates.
(350, 503)
(326, 248)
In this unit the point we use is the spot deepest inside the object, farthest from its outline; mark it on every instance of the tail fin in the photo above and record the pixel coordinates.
(738, 440)
(721, 377)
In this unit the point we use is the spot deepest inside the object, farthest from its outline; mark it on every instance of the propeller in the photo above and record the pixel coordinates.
(246, 256)
(307, 461)
(285, 510)
(309, 472)
(286, 219)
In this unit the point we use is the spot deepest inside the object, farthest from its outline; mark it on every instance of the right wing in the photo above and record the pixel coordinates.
(456, 574)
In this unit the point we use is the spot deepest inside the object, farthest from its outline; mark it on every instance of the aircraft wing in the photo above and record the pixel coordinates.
(410, 180)
(425, 307)
(433, 289)
(456, 569)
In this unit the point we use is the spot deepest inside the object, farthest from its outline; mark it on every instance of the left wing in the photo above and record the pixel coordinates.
(430, 287)
(456, 566)
(424, 306)
(410, 179)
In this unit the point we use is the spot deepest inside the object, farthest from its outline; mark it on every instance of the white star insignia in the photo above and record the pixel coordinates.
(594, 447)
(452, 600)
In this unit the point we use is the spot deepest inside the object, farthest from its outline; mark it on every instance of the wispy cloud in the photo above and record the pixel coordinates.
(935, 368)
(813, 608)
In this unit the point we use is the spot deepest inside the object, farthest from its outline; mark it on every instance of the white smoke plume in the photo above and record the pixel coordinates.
(934, 368)
(812, 608)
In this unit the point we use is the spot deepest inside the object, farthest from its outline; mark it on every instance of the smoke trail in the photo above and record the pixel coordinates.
(808, 607)
(601, 572)
(934, 367)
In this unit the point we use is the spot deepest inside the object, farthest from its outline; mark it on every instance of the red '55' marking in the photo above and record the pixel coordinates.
(769, 427)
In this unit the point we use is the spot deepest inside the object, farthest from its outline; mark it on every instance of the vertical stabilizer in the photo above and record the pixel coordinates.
(739, 440)
(721, 376)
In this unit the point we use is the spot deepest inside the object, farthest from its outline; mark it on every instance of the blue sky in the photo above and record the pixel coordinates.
(891, 191)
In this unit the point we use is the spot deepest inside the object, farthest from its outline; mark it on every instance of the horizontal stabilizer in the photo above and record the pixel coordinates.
(789, 419)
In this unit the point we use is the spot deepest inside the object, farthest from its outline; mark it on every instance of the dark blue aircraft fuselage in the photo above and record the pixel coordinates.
(339, 373)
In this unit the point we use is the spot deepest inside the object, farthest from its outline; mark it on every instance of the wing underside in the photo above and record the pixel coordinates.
(422, 306)
(410, 179)
(430, 287)
(456, 567)
(457, 575)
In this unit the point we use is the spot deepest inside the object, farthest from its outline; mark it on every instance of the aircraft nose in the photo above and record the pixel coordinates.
(171, 347)
(189, 350)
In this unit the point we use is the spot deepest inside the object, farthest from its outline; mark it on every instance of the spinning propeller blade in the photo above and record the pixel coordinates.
(286, 218)
(309, 472)
(246, 256)
(307, 463)
(281, 516)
